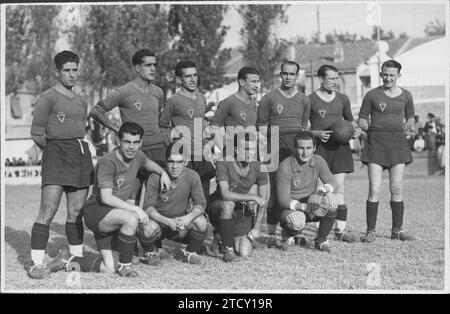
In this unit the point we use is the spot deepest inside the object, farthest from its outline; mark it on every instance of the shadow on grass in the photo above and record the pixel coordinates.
(20, 241)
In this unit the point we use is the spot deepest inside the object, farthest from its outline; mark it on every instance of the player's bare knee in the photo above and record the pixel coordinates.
(130, 220)
(150, 230)
(396, 190)
(200, 223)
(227, 209)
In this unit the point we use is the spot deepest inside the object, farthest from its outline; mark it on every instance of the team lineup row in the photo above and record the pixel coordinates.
(152, 154)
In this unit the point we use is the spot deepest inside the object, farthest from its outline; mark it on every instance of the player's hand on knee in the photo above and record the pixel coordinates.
(143, 217)
(259, 200)
(172, 224)
(314, 201)
(325, 135)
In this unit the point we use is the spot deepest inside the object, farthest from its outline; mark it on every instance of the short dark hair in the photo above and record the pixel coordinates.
(304, 135)
(64, 57)
(174, 148)
(290, 63)
(183, 65)
(130, 128)
(139, 56)
(322, 71)
(243, 72)
(391, 64)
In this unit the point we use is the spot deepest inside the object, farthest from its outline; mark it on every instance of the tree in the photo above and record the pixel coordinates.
(263, 49)
(383, 34)
(31, 34)
(198, 36)
(108, 37)
(341, 37)
(435, 28)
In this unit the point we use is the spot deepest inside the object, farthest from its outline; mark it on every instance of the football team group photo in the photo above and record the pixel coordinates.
(278, 167)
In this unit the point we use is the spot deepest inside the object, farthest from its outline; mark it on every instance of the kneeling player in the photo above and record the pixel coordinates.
(234, 209)
(171, 216)
(298, 197)
(107, 213)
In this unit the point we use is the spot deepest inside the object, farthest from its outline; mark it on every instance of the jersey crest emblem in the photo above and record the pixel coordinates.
(61, 116)
(280, 108)
(297, 182)
(243, 116)
(382, 107)
(164, 197)
(190, 112)
(119, 182)
(138, 105)
(322, 113)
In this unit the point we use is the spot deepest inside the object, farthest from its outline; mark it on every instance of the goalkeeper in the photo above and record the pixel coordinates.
(302, 198)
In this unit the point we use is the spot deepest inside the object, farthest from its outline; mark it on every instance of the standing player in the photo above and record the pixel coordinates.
(139, 101)
(58, 128)
(327, 107)
(186, 108)
(234, 209)
(287, 108)
(299, 195)
(391, 111)
(237, 110)
(108, 212)
(170, 213)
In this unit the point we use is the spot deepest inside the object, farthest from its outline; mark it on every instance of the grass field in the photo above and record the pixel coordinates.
(417, 265)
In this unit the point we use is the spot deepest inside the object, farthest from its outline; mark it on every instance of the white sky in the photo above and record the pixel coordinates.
(400, 16)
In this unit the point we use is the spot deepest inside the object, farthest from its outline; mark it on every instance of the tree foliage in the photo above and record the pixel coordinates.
(31, 34)
(384, 35)
(108, 37)
(435, 28)
(341, 37)
(263, 49)
(198, 36)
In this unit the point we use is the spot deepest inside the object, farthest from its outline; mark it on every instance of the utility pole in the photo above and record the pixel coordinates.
(318, 22)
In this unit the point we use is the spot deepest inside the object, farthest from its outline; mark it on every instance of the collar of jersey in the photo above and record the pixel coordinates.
(296, 167)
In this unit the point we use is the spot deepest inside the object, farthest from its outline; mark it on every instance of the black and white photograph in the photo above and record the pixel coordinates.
(254, 147)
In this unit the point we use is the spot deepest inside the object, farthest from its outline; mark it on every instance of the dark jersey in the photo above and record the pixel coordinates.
(181, 110)
(111, 172)
(233, 111)
(226, 171)
(324, 114)
(295, 181)
(174, 202)
(136, 105)
(289, 114)
(58, 116)
(387, 113)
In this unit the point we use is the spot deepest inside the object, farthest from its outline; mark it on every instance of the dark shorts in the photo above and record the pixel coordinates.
(243, 220)
(167, 233)
(157, 153)
(93, 214)
(338, 156)
(64, 164)
(204, 168)
(386, 148)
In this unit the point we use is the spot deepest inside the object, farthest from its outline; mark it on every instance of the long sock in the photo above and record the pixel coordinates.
(126, 247)
(75, 233)
(88, 263)
(39, 239)
(341, 218)
(371, 215)
(195, 239)
(271, 229)
(397, 215)
(148, 243)
(158, 244)
(227, 232)
(325, 226)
